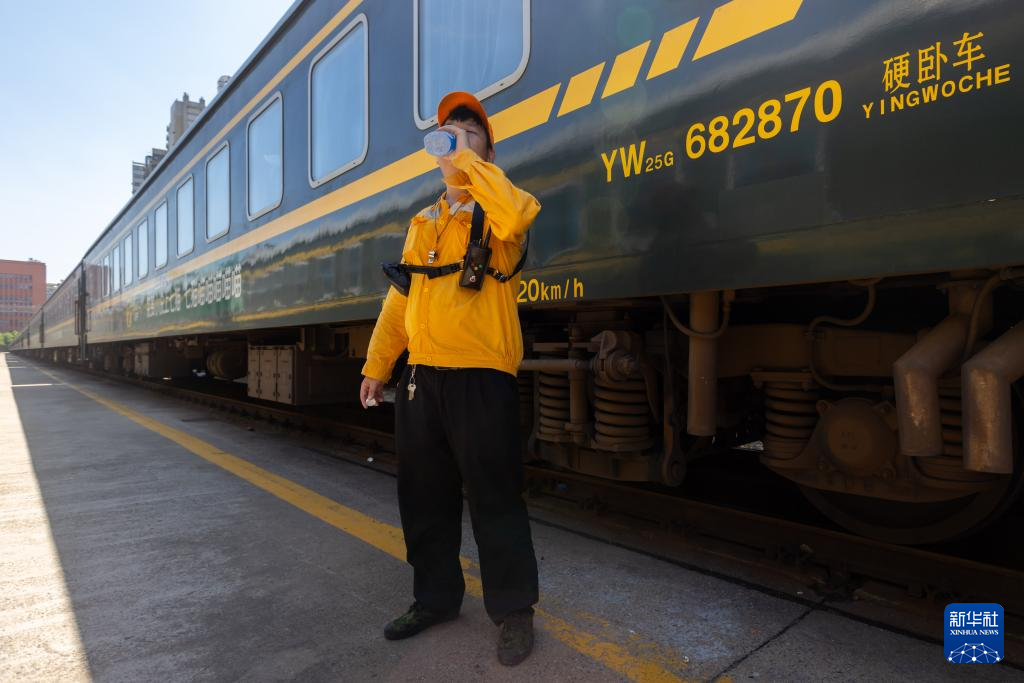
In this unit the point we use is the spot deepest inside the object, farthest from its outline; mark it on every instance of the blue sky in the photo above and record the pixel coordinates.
(87, 89)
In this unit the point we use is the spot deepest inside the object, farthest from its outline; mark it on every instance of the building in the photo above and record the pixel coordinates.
(183, 113)
(22, 291)
(141, 171)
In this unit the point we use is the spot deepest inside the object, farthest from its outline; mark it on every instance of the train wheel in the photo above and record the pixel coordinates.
(923, 523)
(914, 523)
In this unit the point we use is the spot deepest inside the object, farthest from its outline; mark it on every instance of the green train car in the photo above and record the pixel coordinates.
(793, 226)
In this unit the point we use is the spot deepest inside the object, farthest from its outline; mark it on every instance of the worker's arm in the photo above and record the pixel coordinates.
(510, 211)
(389, 338)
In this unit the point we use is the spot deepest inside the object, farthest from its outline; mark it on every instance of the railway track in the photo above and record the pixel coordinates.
(837, 570)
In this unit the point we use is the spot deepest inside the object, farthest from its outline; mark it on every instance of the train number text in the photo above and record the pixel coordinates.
(747, 126)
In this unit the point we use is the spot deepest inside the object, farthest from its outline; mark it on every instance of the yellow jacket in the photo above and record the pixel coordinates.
(439, 322)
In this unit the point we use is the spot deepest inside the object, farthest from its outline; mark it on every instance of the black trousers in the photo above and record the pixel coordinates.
(462, 429)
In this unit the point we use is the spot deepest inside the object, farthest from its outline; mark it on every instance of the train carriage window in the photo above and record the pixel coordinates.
(480, 47)
(106, 275)
(115, 267)
(129, 275)
(186, 217)
(160, 236)
(143, 241)
(218, 194)
(264, 179)
(338, 105)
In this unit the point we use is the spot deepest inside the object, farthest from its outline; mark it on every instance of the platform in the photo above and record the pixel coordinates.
(149, 539)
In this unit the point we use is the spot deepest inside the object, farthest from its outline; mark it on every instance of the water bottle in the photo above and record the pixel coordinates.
(439, 143)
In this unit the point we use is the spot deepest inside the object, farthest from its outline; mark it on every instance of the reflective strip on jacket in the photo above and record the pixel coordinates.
(439, 322)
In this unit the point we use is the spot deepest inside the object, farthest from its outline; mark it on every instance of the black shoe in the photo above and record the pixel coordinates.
(417, 619)
(516, 640)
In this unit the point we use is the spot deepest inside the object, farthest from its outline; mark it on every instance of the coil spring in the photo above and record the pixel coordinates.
(952, 419)
(790, 418)
(623, 417)
(553, 406)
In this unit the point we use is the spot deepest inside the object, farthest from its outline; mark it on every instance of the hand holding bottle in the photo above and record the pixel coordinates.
(461, 143)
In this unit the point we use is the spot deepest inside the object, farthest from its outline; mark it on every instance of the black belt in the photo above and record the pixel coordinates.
(399, 274)
(438, 271)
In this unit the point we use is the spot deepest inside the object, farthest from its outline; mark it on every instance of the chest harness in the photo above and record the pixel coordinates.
(474, 266)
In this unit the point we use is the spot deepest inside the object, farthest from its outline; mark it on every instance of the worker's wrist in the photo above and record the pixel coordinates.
(463, 159)
(374, 369)
(456, 178)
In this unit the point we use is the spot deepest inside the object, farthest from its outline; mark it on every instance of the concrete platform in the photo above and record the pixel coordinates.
(146, 539)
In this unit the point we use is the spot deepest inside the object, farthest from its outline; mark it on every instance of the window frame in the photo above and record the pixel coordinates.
(492, 89)
(106, 277)
(128, 254)
(177, 217)
(167, 235)
(360, 19)
(276, 97)
(141, 228)
(223, 147)
(116, 267)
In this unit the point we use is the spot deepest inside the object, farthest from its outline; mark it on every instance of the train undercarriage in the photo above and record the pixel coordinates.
(895, 405)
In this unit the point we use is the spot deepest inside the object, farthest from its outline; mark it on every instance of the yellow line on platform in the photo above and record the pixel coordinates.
(382, 536)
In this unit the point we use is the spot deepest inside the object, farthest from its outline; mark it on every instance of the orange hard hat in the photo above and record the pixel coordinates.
(463, 99)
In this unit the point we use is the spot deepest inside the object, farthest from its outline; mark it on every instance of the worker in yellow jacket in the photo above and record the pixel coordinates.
(457, 403)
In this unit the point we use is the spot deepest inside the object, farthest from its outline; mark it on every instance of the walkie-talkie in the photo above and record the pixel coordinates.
(478, 254)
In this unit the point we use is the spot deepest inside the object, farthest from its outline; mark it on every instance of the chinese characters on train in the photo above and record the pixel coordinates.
(225, 284)
(934, 72)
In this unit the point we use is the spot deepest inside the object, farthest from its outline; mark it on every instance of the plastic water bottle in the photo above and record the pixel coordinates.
(439, 143)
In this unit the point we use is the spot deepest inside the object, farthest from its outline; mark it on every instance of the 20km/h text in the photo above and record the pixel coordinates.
(532, 290)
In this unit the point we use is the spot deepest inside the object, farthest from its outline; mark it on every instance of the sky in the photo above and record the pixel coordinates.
(88, 87)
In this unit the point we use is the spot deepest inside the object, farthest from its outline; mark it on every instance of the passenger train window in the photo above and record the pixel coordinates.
(128, 252)
(264, 179)
(186, 218)
(115, 267)
(338, 105)
(143, 241)
(218, 194)
(160, 236)
(106, 276)
(481, 47)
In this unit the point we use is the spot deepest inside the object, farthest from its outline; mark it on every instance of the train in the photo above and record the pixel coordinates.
(788, 227)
